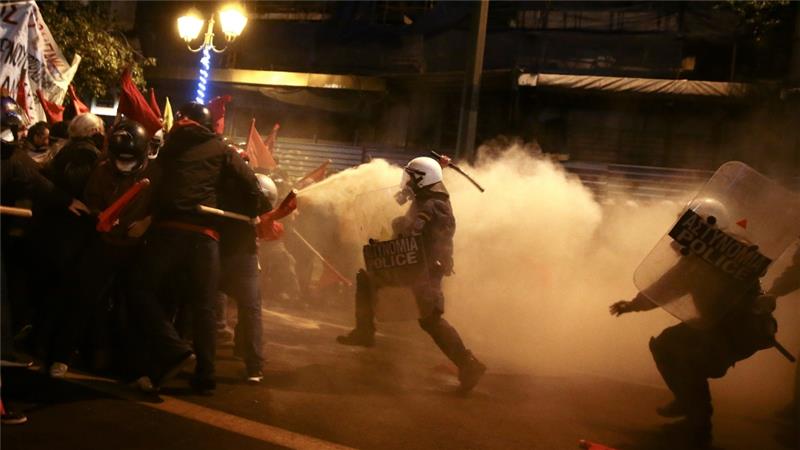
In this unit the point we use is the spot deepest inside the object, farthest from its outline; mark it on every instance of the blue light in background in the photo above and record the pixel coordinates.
(202, 79)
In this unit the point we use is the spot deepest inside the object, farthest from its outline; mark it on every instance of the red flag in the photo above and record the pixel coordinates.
(22, 99)
(54, 113)
(154, 104)
(273, 136)
(217, 109)
(314, 176)
(329, 277)
(259, 154)
(134, 106)
(80, 107)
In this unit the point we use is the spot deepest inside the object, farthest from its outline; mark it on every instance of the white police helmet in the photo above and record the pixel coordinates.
(712, 211)
(421, 172)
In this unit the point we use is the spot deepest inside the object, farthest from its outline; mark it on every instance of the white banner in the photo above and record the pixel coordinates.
(27, 45)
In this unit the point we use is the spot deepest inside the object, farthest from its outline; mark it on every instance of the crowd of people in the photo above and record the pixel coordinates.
(121, 239)
(108, 259)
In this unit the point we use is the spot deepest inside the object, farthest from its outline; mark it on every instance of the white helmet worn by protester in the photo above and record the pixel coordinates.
(268, 188)
(86, 125)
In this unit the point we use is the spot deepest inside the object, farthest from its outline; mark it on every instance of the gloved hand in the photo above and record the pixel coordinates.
(764, 304)
(619, 308)
(77, 207)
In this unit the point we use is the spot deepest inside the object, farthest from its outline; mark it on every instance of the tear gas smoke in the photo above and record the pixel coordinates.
(538, 260)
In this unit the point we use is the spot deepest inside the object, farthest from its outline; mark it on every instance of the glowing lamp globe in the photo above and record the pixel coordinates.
(189, 25)
(232, 19)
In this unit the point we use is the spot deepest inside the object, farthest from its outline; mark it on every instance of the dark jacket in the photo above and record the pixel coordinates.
(431, 216)
(21, 179)
(238, 237)
(106, 184)
(194, 163)
(70, 168)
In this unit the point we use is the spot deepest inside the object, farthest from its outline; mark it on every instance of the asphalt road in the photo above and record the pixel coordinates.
(398, 395)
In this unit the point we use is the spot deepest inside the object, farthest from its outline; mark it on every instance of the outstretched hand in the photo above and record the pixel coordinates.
(78, 208)
(619, 308)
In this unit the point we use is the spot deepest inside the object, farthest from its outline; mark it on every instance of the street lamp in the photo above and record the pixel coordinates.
(232, 18)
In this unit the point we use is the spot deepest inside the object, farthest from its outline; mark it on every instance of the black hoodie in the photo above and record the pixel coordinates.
(194, 163)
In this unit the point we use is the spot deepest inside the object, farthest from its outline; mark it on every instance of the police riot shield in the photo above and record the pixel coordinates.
(394, 267)
(393, 262)
(721, 244)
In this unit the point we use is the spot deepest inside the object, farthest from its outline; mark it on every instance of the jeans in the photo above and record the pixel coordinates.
(240, 280)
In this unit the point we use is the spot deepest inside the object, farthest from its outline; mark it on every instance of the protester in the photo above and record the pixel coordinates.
(184, 242)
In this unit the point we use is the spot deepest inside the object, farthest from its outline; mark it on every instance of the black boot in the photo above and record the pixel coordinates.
(470, 372)
(358, 337)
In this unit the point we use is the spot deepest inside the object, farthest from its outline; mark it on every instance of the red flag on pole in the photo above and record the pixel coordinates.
(134, 106)
(80, 107)
(314, 176)
(54, 113)
(217, 109)
(259, 154)
(273, 136)
(154, 104)
(22, 98)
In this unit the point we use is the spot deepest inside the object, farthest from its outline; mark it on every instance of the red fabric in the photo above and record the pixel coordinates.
(314, 176)
(55, 113)
(260, 155)
(22, 99)
(329, 277)
(154, 104)
(273, 136)
(134, 106)
(217, 109)
(269, 230)
(80, 107)
(287, 206)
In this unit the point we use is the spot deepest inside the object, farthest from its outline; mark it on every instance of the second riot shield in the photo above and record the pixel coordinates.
(724, 241)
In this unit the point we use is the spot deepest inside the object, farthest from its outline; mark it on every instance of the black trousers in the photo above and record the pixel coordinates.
(430, 301)
(187, 263)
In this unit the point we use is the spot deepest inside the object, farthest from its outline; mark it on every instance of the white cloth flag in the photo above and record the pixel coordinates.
(27, 45)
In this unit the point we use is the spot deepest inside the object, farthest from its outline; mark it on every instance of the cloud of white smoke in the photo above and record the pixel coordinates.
(538, 260)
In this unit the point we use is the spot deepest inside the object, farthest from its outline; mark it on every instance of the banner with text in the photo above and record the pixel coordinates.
(27, 48)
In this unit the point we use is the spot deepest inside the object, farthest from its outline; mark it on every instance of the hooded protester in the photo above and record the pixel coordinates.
(183, 243)
(431, 217)
(37, 143)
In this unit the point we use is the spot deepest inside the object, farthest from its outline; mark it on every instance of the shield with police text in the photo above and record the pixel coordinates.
(720, 246)
(395, 266)
(398, 262)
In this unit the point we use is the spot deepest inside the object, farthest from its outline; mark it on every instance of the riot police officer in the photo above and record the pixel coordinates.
(431, 217)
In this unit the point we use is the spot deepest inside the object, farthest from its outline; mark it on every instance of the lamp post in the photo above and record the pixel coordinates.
(232, 19)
